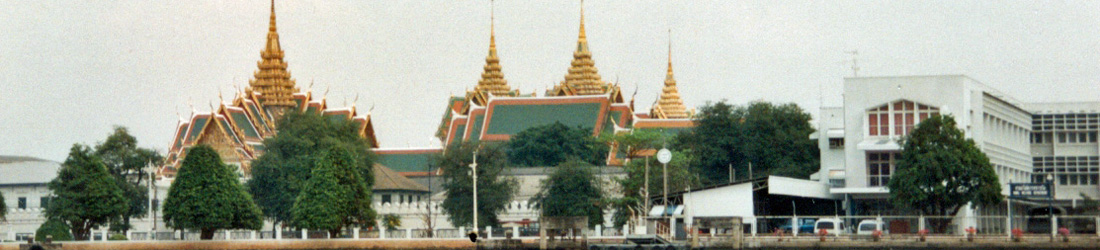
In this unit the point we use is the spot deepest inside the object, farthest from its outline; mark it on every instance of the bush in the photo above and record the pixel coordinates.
(55, 228)
(117, 237)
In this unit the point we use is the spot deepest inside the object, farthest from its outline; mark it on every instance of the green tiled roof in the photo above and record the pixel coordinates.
(475, 131)
(406, 162)
(667, 132)
(179, 137)
(196, 126)
(242, 122)
(511, 119)
(256, 114)
(610, 121)
(229, 130)
(459, 131)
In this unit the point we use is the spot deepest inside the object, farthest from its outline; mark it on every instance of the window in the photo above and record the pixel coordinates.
(879, 167)
(836, 143)
(897, 118)
(22, 202)
(385, 198)
(44, 202)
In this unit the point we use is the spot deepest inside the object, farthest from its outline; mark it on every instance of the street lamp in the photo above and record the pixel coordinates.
(1050, 202)
(473, 172)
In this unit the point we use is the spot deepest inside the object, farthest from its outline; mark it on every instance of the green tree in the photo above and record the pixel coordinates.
(631, 144)
(391, 221)
(289, 157)
(552, 144)
(3, 209)
(56, 229)
(632, 203)
(773, 138)
(85, 194)
(572, 189)
(940, 171)
(207, 196)
(127, 163)
(494, 189)
(334, 196)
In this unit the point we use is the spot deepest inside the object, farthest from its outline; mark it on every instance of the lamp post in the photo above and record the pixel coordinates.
(1050, 202)
(473, 172)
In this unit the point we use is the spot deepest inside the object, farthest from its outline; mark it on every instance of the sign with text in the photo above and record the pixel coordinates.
(1029, 190)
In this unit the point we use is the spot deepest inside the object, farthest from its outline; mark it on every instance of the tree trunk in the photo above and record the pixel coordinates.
(80, 234)
(334, 233)
(207, 234)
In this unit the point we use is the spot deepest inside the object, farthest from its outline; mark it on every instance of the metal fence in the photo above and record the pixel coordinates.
(935, 225)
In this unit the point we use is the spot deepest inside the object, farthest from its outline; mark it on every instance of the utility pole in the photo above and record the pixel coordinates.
(731, 172)
(473, 167)
(431, 229)
(750, 170)
(645, 192)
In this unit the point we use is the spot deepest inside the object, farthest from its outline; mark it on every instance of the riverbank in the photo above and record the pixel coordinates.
(403, 244)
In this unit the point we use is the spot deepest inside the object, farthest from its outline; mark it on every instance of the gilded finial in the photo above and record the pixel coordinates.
(582, 36)
(271, 28)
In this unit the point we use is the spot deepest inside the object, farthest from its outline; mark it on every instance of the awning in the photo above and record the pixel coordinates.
(883, 144)
(835, 133)
(661, 211)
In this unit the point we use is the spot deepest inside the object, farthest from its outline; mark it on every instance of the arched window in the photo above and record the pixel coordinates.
(897, 118)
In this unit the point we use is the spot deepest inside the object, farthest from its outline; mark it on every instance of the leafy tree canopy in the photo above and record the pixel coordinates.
(207, 196)
(56, 229)
(632, 203)
(940, 170)
(127, 163)
(86, 195)
(773, 138)
(494, 189)
(631, 144)
(334, 196)
(289, 157)
(572, 189)
(552, 144)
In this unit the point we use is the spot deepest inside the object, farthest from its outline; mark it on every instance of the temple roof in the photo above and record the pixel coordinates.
(669, 105)
(492, 79)
(386, 179)
(583, 78)
(272, 79)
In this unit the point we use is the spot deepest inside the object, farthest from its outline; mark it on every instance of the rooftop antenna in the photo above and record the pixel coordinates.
(855, 62)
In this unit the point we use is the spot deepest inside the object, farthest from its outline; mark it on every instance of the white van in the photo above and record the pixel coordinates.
(868, 227)
(832, 226)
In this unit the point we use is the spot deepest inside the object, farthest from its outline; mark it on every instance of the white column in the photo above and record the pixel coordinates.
(105, 234)
(355, 233)
(515, 232)
(671, 228)
(1053, 225)
(130, 235)
(408, 233)
(599, 230)
(381, 233)
(305, 234)
(794, 226)
(752, 227)
(278, 233)
(461, 232)
(1008, 218)
(488, 232)
(253, 235)
(920, 222)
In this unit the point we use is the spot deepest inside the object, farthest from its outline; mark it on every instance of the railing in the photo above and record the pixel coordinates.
(935, 225)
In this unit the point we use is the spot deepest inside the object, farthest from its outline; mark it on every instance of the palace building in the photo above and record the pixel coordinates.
(237, 129)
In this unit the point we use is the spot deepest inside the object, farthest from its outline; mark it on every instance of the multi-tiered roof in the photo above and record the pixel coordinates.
(583, 77)
(492, 81)
(669, 105)
(272, 79)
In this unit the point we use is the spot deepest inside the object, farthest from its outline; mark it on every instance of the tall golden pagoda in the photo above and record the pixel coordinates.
(492, 81)
(669, 105)
(583, 78)
(272, 80)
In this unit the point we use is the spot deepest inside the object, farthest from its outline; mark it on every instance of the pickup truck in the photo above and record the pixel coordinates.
(641, 242)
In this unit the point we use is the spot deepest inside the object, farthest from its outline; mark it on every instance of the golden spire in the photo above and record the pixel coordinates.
(583, 78)
(272, 79)
(492, 79)
(669, 105)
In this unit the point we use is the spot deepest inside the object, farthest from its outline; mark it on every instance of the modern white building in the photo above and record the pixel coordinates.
(859, 142)
(1064, 144)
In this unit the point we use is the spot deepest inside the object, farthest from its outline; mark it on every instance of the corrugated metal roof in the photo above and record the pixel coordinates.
(19, 170)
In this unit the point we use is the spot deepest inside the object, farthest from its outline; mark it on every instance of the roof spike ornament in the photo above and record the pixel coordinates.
(669, 105)
(272, 80)
(492, 81)
(583, 78)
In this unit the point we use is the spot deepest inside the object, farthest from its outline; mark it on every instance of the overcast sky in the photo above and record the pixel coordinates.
(71, 70)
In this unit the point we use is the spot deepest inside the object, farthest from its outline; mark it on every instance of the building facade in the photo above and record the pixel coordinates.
(1064, 146)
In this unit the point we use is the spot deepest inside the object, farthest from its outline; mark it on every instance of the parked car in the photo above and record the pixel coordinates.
(868, 227)
(832, 226)
(805, 225)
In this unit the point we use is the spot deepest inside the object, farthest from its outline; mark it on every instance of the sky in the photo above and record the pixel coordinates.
(72, 70)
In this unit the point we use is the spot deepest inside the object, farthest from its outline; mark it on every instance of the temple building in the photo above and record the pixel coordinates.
(494, 111)
(236, 129)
